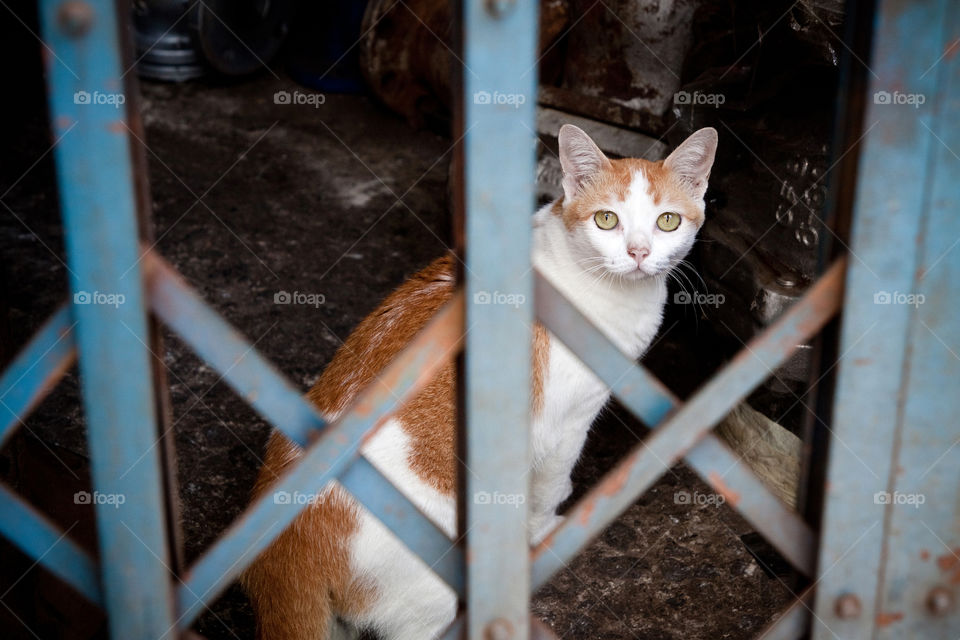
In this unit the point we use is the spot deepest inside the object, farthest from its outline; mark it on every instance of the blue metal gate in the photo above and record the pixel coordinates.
(894, 414)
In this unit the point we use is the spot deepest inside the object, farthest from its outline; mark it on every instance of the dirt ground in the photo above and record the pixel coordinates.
(345, 200)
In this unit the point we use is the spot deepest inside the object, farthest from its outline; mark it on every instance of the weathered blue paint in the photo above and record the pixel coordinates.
(402, 517)
(922, 546)
(498, 115)
(618, 489)
(35, 370)
(644, 395)
(326, 459)
(44, 542)
(895, 408)
(226, 350)
(95, 185)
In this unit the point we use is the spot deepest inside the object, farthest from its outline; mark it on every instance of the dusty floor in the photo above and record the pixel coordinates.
(251, 198)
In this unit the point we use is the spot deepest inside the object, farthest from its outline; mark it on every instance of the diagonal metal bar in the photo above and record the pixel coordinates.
(618, 489)
(44, 542)
(415, 530)
(794, 622)
(247, 372)
(651, 401)
(326, 459)
(36, 370)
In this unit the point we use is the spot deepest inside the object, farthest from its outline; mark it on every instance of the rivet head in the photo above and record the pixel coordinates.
(498, 629)
(848, 607)
(939, 601)
(75, 17)
(500, 8)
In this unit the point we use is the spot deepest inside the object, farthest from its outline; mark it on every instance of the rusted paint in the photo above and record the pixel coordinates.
(924, 555)
(117, 126)
(617, 479)
(717, 482)
(587, 511)
(862, 362)
(886, 619)
(947, 561)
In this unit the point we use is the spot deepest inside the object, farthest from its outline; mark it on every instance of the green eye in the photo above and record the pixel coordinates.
(668, 221)
(606, 220)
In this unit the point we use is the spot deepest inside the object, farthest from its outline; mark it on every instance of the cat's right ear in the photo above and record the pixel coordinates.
(580, 158)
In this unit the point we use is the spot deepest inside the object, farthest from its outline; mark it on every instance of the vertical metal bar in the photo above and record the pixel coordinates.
(889, 215)
(498, 106)
(918, 591)
(85, 86)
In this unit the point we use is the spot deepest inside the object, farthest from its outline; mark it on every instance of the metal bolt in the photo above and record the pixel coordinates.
(75, 17)
(848, 607)
(939, 600)
(498, 629)
(500, 8)
(786, 281)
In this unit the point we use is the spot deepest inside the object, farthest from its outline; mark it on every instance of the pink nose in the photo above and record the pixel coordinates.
(638, 253)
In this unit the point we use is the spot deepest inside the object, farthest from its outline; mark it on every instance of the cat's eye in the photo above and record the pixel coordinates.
(668, 221)
(606, 220)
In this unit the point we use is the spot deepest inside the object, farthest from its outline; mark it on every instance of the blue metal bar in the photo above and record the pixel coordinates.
(498, 117)
(402, 517)
(652, 458)
(651, 401)
(95, 186)
(327, 458)
(898, 225)
(44, 542)
(226, 350)
(923, 511)
(36, 370)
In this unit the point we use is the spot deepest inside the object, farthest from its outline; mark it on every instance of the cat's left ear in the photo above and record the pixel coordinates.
(580, 158)
(692, 160)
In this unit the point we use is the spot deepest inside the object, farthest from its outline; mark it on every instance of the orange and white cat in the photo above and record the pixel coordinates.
(608, 245)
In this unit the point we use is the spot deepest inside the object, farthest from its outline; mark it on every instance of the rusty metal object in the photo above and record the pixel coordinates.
(848, 607)
(75, 17)
(630, 52)
(940, 601)
(407, 55)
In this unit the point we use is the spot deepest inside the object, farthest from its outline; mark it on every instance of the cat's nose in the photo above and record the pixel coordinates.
(638, 253)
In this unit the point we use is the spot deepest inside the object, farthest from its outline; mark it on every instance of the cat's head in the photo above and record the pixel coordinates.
(632, 218)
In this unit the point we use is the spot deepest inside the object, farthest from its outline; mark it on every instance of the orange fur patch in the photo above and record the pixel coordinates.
(299, 582)
(304, 576)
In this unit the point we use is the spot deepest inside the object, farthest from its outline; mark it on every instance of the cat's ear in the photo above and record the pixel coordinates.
(692, 160)
(580, 159)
